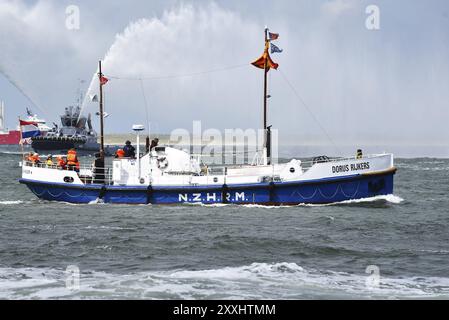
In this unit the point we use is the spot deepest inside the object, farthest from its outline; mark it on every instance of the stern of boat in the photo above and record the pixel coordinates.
(57, 184)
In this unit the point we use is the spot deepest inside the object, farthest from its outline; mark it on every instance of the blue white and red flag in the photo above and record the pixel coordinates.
(29, 129)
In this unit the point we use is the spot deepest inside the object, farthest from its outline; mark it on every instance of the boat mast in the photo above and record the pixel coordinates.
(265, 87)
(100, 75)
(266, 143)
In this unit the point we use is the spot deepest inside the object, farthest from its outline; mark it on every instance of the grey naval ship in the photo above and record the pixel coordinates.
(76, 131)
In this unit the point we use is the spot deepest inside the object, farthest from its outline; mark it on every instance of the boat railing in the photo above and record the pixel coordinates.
(91, 174)
(87, 174)
(305, 163)
(309, 163)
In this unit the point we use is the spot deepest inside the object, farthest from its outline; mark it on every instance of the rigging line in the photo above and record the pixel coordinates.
(308, 110)
(146, 106)
(181, 75)
(22, 91)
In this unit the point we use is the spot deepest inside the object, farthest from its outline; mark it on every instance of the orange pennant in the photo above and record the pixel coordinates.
(260, 63)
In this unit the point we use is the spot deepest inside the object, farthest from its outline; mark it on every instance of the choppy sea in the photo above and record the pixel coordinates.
(392, 247)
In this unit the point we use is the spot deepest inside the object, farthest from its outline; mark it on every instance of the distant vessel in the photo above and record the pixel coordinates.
(164, 175)
(7, 137)
(72, 134)
(13, 137)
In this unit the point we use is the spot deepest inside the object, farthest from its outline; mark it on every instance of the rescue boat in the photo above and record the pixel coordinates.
(167, 175)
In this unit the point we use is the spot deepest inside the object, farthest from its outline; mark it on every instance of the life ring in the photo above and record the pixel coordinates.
(162, 163)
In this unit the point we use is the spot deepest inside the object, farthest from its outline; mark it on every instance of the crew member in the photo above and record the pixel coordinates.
(99, 176)
(119, 153)
(29, 158)
(49, 161)
(35, 159)
(130, 151)
(72, 160)
(61, 162)
(154, 143)
(204, 170)
(359, 154)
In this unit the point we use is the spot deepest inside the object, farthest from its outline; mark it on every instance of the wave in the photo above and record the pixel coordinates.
(11, 152)
(97, 201)
(207, 204)
(11, 202)
(387, 198)
(384, 198)
(109, 228)
(425, 166)
(255, 281)
(391, 198)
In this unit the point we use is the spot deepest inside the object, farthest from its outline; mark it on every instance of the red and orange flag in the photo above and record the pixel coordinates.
(265, 60)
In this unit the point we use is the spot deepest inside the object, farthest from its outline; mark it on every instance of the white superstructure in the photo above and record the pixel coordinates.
(166, 166)
(2, 117)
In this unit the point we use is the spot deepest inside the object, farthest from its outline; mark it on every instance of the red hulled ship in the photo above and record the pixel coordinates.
(12, 137)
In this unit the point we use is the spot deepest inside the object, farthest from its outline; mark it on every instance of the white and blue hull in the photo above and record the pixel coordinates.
(343, 182)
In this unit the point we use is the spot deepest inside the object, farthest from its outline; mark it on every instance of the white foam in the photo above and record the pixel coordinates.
(11, 202)
(206, 204)
(97, 201)
(255, 281)
(388, 198)
(109, 228)
(267, 207)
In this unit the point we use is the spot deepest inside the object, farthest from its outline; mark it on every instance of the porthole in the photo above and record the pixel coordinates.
(68, 179)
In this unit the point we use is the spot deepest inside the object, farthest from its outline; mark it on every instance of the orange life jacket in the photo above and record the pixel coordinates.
(120, 153)
(61, 162)
(71, 157)
(35, 159)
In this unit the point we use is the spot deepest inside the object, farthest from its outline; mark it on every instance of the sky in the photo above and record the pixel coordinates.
(337, 81)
